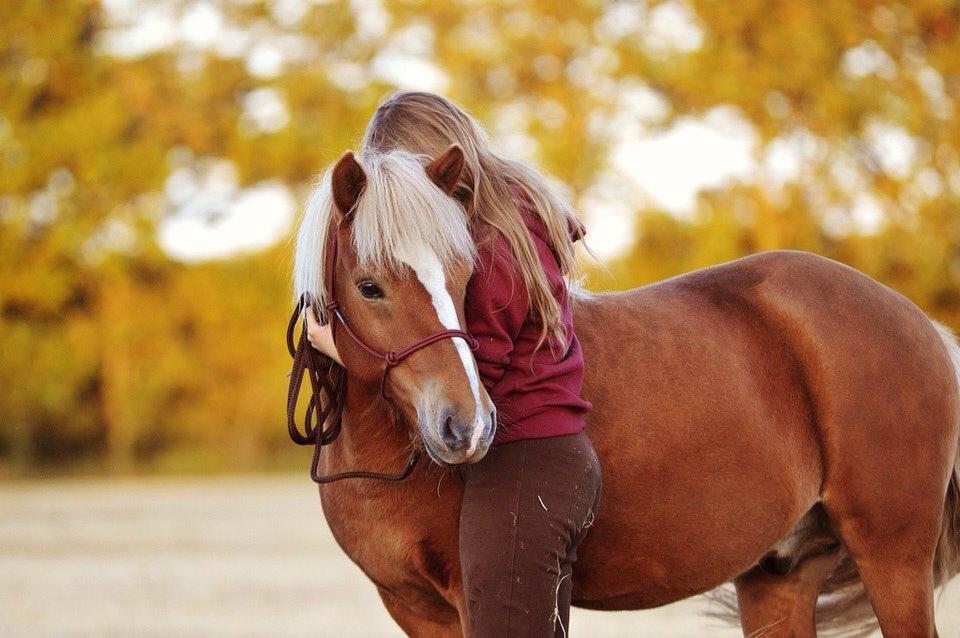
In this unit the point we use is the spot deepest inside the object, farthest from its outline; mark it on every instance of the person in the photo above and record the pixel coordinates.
(531, 500)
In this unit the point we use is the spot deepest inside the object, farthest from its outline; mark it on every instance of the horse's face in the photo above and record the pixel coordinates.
(437, 388)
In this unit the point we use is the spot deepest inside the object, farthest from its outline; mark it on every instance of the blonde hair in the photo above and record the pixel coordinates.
(399, 213)
(427, 124)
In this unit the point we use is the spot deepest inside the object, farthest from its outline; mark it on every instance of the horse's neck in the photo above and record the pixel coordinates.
(373, 435)
(390, 529)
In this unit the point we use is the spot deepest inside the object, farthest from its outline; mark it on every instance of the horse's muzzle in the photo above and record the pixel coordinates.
(456, 440)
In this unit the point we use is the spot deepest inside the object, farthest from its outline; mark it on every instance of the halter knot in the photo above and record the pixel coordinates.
(391, 358)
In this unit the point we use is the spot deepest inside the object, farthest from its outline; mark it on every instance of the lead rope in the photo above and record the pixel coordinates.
(323, 416)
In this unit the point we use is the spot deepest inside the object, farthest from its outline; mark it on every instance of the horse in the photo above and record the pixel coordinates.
(734, 407)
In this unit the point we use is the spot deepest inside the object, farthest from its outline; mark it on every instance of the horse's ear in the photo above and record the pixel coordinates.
(445, 170)
(347, 182)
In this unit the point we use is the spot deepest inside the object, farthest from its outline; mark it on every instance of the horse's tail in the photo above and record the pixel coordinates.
(946, 563)
(843, 608)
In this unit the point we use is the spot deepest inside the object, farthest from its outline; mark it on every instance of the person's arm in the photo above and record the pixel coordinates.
(497, 306)
(321, 337)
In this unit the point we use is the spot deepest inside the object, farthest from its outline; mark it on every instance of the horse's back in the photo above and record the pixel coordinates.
(719, 397)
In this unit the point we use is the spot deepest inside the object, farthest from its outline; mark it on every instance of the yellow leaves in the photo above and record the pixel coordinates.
(142, 358)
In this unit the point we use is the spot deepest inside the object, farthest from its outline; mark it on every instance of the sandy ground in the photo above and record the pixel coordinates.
(239, 556)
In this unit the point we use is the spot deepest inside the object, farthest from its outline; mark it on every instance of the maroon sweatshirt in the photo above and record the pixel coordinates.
(536, 391)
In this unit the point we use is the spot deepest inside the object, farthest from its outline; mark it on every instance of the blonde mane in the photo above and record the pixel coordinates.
(401, 213)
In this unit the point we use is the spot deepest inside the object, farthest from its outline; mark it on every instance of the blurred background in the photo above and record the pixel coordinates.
(154, 154)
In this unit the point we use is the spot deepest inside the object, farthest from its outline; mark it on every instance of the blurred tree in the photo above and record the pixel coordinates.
(113, 352)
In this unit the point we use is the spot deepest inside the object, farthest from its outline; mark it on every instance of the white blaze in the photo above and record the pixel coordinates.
(425, 263)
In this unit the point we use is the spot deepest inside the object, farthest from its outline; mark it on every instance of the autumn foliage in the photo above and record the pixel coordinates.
(115, 354)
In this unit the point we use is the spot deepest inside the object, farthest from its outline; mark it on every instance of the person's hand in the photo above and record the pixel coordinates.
(321, 337)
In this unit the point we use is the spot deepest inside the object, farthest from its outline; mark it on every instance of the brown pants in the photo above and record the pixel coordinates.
(526, 507)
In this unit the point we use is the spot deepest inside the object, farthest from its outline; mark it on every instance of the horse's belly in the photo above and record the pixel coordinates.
(677, 520)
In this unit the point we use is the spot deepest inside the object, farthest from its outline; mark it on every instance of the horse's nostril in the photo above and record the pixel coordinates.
(448, 432)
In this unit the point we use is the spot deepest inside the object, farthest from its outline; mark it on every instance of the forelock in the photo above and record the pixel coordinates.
(402, 212)
(400, 215)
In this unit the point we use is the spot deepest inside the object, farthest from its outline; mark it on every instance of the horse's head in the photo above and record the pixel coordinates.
(404, 254)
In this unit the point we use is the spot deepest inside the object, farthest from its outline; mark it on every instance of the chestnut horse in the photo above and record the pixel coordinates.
(730, 405)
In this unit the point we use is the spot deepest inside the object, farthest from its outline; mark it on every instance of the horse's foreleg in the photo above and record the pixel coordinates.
(783, 605)
(417, 623)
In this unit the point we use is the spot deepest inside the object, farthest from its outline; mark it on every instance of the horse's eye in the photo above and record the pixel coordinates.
(370, 290)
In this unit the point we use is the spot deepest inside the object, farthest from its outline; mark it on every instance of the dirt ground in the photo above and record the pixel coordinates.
(239, 556)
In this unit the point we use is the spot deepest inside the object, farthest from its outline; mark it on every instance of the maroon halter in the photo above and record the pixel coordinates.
(328, 380)
(390, 358)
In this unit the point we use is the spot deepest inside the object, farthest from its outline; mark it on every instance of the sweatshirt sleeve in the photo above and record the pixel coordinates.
(497, 306)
